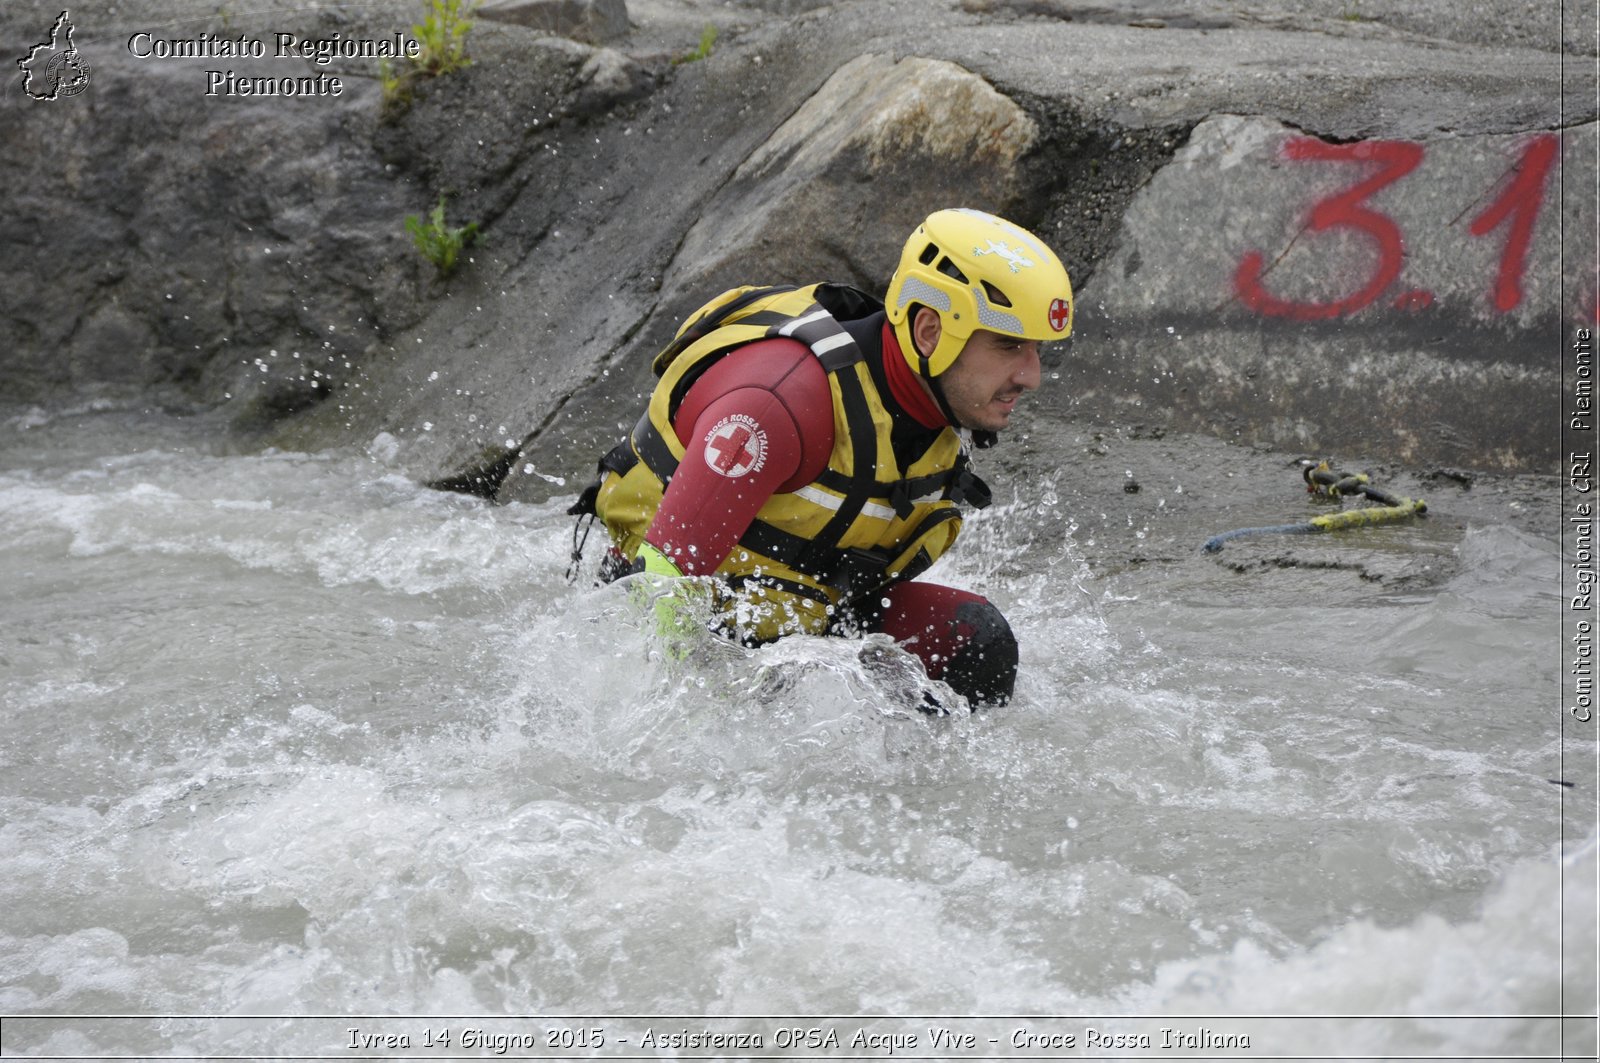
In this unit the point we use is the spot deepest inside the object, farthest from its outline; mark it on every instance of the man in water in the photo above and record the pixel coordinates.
(808, 447)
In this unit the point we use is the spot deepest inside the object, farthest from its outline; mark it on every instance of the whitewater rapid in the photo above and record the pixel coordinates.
(288, 735)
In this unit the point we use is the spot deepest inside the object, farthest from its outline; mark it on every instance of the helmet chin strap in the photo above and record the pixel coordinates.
(936, 385)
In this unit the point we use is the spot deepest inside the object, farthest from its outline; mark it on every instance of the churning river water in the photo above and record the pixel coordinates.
(314, 761)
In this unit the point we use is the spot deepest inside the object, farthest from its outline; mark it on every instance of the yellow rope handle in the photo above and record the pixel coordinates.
(1362, 518)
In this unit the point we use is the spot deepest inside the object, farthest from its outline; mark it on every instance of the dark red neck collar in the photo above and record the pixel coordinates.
(903, 384)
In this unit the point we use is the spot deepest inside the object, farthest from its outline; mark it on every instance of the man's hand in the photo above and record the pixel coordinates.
(673, 600)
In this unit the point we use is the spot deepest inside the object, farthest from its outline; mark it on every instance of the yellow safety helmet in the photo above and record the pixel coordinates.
(978, 272)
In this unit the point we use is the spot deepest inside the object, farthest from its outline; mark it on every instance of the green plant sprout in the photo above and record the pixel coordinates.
(396, 86)
(441, 48)
(442, 35)
(439, 243)
(708, 40)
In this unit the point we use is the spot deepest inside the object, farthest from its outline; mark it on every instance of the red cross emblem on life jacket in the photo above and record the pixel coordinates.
(735, 446)
(1060, 314)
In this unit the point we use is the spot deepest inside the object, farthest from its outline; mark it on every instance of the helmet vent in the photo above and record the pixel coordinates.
(950, 269)
(996, 296)
(929, 253)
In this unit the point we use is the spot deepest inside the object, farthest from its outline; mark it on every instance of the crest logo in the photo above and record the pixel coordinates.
(1016, 259)
(54, 68)
(736, 445)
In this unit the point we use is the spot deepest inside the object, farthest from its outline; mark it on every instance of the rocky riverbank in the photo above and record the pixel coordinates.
(1296, 229)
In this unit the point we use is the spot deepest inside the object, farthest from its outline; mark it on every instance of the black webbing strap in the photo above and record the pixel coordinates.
(969, 488)
(777, 583)
(707, 323)
(653, 450)
(864, 440)
(786, 548)
(965, 486)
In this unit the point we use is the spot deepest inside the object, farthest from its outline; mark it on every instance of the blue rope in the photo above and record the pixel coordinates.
(1213, 544)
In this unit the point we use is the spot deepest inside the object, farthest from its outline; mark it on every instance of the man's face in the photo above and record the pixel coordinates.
(987, 378)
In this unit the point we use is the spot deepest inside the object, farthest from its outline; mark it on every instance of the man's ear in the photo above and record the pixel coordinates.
(926, 329)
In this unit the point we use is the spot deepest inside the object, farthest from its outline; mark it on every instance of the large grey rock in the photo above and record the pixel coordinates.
(1416, 323)
(915, 131)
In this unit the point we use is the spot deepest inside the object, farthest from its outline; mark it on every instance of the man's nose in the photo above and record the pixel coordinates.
(1030, 372)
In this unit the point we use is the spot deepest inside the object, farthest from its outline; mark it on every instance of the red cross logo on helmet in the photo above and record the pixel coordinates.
(1060, 314)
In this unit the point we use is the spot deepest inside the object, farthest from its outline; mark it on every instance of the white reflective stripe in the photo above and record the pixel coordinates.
(812, 493)
(788, 330)
(824, 346)
(934, 497)
(820, 497)
(873, 509)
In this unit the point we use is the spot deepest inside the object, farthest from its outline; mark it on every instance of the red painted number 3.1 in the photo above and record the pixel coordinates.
(1519, 203)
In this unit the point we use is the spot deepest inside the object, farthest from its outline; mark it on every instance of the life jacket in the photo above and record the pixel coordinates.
(872, 517)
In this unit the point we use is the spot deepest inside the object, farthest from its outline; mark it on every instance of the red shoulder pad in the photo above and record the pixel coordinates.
(791, 373)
